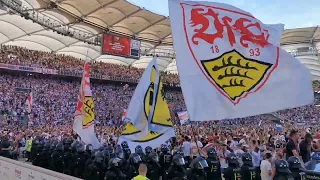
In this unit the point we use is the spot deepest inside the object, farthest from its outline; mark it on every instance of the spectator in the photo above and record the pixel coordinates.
(291, 147)
(265, 167)
(305, 147)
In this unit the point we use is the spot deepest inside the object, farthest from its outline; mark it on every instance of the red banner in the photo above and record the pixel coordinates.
(116, 45)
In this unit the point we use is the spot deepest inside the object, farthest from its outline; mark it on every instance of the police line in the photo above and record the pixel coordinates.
(11, 169)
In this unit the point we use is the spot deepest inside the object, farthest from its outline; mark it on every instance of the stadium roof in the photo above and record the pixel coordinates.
(117, 16)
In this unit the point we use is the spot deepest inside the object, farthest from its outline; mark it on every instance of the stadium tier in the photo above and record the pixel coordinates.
(70, 68)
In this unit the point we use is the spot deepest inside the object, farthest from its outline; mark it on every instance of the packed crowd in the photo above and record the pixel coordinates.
(22, 56)
(54, 100)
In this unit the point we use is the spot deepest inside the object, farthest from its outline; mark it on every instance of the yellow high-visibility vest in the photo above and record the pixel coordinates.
(139, 177)
(29, 145)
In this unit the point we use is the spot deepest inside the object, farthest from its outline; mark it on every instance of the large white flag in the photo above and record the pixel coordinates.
(148, 110)
(140, 104)
(83, 123)
(230, 64)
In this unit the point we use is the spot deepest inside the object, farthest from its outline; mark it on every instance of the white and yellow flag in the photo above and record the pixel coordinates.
(230, 63)
(83, 123)
(148, 116)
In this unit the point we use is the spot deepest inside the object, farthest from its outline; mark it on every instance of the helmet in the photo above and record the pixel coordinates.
(69, 140)
(282, 166)
(93, 152)
(127, 153)
(89, 147)
(232, 159)
(52, 147)
(59, 147)
(179, 151)
(40, 146)
(113, 162)
(80, 147)
(199, 163)
(118, 146)
(98, 157)
(73, 146)
(178, 160)
(153, 156)
(316, 156)
(109, 148)
(106, 154)
(294, 162)
(212, 153)
(138, 150)
(35, 142)
(135, 158)
(119, 153)
(124, 144)
(46, 147)
(164, 148)
(148, 150)
(101, 148)
(247, 159)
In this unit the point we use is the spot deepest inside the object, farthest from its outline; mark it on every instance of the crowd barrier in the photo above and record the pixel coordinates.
(15, 170)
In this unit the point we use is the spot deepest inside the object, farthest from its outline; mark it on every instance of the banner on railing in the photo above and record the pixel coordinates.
(183, 117)
(28, 69)
(68, 72)
(46, 71)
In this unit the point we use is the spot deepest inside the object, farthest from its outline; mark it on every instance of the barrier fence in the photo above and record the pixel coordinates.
(15, 170)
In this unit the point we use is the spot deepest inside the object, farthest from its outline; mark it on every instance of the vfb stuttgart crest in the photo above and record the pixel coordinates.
(231, 49)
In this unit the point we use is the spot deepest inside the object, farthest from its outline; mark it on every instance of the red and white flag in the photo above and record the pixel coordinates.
(235, 62)
(29, 102)
(126, 86)
(124, 114)
(83, 123)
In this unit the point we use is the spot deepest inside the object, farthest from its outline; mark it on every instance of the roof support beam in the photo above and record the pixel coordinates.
(159, 43)
(36, 43)
(76, 52)
(76, 42)
(150, 25)
(125, 17)
(98, 8)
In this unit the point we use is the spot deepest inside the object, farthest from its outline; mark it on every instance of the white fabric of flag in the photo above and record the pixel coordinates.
(230, 63)
(148, 117)
(140, 105)
(83, 123)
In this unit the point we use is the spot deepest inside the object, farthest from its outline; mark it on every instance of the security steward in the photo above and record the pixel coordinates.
(177, 170)
(28, 148)
(213, 170)
(197, 171)
(96, 170)
(233, 171)
(132, 166)
(165, 159)
(315, 159)
(57, 162)
(282, 171)
(143, 169)
(114, 172)
(77, 166)
(296, 168)
(153, 166)
(248, 172)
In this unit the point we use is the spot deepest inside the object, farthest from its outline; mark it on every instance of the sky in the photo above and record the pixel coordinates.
(291, 13)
